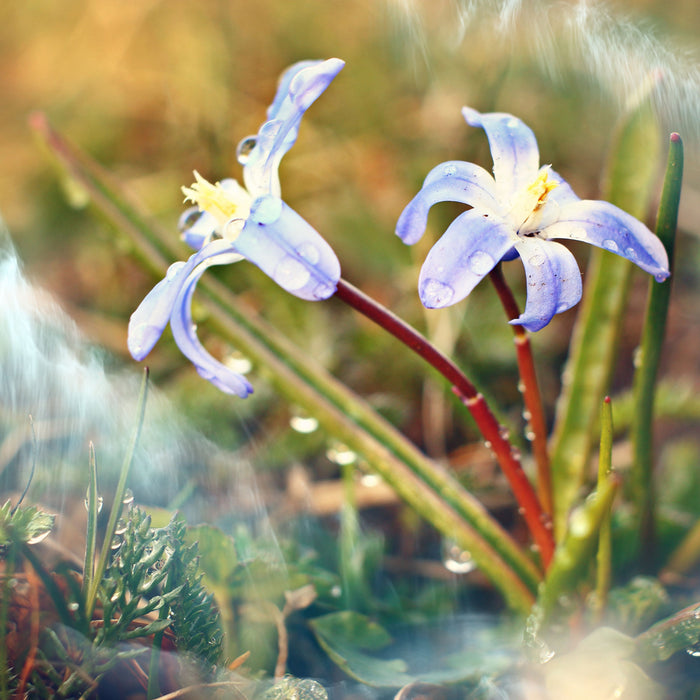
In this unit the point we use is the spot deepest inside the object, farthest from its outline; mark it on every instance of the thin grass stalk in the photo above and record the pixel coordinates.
(604, 553)
(631, 175)
(118, 502)
(644, 389)
(91, 532)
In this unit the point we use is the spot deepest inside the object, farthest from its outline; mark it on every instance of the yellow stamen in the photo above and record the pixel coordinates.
(541, 187)
(215, 199)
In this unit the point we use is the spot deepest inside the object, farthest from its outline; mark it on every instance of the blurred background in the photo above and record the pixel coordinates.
(153, 90)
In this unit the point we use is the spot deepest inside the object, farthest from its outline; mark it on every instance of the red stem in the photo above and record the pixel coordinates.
(538, 522)
(530, 390)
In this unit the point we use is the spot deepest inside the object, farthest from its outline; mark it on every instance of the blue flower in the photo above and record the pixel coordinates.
(518, 211)
(231, 223)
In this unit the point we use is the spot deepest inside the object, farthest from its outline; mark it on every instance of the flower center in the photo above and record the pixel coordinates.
(226, 202)
(530, 202)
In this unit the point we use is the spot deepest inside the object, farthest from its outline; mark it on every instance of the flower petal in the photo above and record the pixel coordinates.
(462, 257)
(553, 281)
(147, 323)
(453, 181)
(184, 333)
(300, 85)
(516, 157)
(289, 250)
(604, 225)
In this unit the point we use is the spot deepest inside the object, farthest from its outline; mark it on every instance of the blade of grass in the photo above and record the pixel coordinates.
(91, 535)
(650, 355)
(428, 488)
(604, 554)
(118, 502)
(630, 178)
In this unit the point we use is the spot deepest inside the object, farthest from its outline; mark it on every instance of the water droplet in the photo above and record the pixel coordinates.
(521, 510)
(309, 252)
(237, 362)
(245, 148)
(521, 386)
(173, 269)
(449, 171)
(503, 432)
(512, 123)
(188, 218)
(530, 435)
(86, 502)
(515, 453)
(637, 356)
(527, 416)
(341, 454)
(336, 591)
(610, 245)
(480, 262)
(39, 537)
(120, 527)
(73, 606)
(456, 559)
(266, 209)
(537, 260)
(128, 498)
(303, 424)
(371, 480)
(291, 274)
(436, 294)
(562, 306)
(487, 444)
(630, 253)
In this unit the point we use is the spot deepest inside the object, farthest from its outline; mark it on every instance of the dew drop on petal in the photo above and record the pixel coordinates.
(173, 269)
(536, 260)
(450, 170)
(266, 210)
(245, 148)
(188, 219)
(562, 306)
(436, 294)
(480, 262)
(309, 252)
(610, 245)
(630, 253)
(291, 274)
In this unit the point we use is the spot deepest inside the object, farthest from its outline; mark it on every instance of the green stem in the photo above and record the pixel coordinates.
(118, 502)
(6, 589)
(604, 554)
(631, 174)
(644, 389)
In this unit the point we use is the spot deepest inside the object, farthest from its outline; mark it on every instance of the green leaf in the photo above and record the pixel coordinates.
(630, 179)
(365, 651)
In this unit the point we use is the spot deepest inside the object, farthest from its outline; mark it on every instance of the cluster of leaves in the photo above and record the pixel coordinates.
(149, 570)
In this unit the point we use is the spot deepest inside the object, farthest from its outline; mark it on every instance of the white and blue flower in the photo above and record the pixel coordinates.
(230, 223)
(518, 212)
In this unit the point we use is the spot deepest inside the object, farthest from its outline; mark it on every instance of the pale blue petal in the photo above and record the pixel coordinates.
(454, 181)
(147, 323)
(462, 257)
(184, 333)
(289, 250)
(516, 158)
(553, 281)
(299, 87)
(604, 225)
